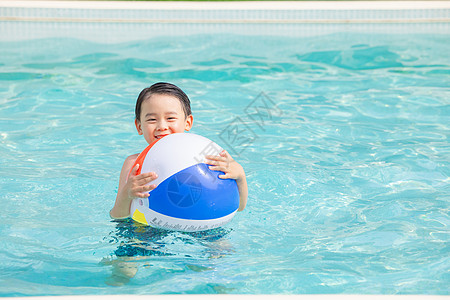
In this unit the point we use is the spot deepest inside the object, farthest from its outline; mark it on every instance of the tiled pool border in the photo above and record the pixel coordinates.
(120, 21)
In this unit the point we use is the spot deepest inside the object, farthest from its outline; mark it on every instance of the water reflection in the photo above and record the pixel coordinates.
(139, 245)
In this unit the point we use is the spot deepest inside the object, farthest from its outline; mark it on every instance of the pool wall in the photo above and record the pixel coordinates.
(112, 22)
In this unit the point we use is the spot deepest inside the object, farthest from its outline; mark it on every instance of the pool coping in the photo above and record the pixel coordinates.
(135, 20)
(232, 5)
(227, 12)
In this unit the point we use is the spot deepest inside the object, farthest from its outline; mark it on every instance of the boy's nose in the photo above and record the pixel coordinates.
(162, 126)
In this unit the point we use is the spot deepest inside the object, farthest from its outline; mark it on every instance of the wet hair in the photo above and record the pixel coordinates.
(163, 88)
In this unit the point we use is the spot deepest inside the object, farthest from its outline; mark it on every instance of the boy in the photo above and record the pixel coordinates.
(163, 109)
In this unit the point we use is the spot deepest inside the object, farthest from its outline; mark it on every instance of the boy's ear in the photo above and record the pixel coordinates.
(138, 126)
(189, 122)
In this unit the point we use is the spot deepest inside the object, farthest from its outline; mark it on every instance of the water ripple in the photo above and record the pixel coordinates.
(348, 167)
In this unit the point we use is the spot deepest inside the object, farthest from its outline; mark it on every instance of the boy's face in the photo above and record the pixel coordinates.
(162, 115)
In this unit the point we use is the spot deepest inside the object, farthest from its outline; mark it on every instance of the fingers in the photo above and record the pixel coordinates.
(134, 170)
(228, 172)
(139, 186)
(212, 158)
(144, 191)
(223, 156)
(218, 165)
(222, 162)
(145, 178)
(225, 176)
(217, 168)
(218, 160)
(224, 153)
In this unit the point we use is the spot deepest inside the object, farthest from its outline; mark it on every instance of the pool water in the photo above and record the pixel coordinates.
(344, 139)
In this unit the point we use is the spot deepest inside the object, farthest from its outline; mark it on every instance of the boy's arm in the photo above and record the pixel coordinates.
(131, 186)
(243, 191)
(233, 170)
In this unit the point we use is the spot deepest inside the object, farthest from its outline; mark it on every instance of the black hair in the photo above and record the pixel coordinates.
(163, 88)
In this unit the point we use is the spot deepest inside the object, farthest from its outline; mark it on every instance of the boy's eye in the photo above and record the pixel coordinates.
(151, 120)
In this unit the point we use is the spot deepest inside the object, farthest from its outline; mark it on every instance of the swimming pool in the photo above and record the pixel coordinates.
(342, 130)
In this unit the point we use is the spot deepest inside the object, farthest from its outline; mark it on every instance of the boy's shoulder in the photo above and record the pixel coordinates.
(132, 157)
(129, 161)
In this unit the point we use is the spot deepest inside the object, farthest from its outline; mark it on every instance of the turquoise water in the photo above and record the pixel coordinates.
(344, 139)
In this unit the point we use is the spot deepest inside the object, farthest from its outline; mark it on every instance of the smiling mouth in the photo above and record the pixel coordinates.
(160, 136)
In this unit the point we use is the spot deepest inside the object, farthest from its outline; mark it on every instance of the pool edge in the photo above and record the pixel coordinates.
(232, 5)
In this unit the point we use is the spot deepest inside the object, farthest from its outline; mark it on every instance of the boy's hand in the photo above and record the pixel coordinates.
(137, 184)
(225, 163)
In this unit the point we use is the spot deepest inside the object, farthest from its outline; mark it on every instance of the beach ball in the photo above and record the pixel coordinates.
(188, 195)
